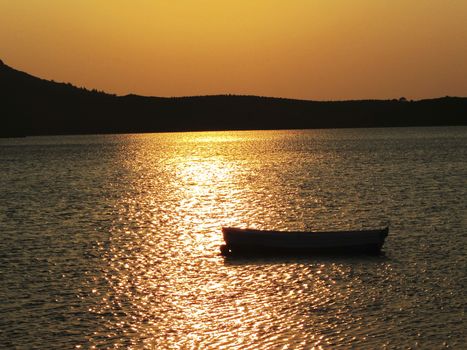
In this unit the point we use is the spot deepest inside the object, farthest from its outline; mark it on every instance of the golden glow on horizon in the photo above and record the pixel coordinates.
(302, 49)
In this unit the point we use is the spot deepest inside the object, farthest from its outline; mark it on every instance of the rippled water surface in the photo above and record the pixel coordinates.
(113, 241)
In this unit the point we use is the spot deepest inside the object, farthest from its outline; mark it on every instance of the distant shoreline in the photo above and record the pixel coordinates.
(239, 130)
(35, 106)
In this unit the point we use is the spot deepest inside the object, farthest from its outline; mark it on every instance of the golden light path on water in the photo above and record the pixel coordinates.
(112, 241)
(165, 284)
(169, 285)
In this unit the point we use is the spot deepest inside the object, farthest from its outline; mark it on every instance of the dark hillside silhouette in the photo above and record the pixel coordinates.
(33, 106)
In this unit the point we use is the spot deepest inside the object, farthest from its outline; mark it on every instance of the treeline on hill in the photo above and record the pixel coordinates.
(33, 106)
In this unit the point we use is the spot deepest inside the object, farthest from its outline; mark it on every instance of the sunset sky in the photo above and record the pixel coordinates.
(308, 49)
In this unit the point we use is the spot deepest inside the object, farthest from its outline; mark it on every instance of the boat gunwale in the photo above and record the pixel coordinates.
(225, 229)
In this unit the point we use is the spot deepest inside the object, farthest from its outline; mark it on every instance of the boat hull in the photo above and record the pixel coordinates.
(248, 241)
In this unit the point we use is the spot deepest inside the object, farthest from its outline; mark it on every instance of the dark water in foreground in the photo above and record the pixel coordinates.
(112, 241)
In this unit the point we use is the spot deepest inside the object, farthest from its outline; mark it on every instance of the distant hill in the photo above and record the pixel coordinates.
(34, 106)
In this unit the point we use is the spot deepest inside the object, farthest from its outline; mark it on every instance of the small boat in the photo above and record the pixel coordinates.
(251, 241)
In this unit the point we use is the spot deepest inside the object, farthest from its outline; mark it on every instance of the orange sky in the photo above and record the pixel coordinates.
(310, 49)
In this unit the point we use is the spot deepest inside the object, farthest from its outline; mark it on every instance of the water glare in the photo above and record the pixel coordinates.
(113, 241)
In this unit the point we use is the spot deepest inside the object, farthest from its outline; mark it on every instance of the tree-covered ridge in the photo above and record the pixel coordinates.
(34, 106)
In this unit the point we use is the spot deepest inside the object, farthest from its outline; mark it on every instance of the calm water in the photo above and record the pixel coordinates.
(112, 241)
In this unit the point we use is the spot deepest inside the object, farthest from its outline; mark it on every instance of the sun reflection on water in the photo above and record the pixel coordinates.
(112, 241)
(167, 285)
